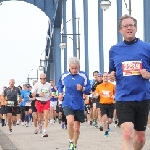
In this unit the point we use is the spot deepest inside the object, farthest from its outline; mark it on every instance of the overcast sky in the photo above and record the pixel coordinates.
(23, 29)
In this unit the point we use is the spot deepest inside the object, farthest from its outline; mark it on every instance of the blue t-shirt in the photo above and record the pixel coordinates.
(126, 60)
(53, 94)
(25, 94)
(68, 83)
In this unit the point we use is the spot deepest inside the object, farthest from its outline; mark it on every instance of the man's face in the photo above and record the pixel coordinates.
(99, 78)
(43, 78)
(128, 29)
(27, 88)
(52, 83)
(74, 68)
(11, 83)
(95, 75)
(105, 77)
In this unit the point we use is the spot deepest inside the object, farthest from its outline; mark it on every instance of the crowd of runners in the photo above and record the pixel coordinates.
(122, 95)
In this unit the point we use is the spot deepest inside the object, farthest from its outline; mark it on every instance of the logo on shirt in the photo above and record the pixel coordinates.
(106, 93)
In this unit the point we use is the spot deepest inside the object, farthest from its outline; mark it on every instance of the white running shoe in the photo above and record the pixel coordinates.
(52, 122)
(40, 129)
(36, 131)
(27, 124)
(10, 131)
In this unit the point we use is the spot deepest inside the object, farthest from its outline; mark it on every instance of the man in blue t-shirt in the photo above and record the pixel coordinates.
(25, 94)
(129, 63)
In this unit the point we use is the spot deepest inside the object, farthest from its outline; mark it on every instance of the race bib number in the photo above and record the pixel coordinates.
(10, 103)
(44, 90)
(53, 94)
(130, 68)
(105, 93)
(28, 103)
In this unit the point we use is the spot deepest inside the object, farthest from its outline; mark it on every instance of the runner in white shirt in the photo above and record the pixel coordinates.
(42, 92)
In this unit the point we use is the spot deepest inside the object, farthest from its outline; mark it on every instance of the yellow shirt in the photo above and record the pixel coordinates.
(106, 91)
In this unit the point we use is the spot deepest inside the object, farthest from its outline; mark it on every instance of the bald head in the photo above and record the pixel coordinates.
(11, 82)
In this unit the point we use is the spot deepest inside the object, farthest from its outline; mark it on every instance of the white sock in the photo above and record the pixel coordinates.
(44, 130)
(70, 141)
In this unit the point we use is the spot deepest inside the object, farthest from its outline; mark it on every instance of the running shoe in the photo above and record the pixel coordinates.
(75, 147)
(27, 124)
(3, 122)
(65, 126)
(40, 129)
(71, 146)
(106, 134)
(10, 131)
(94, 123)
(115, 124)
(14, 123)
(62, 125)
(90, 122)
(101, 128)
(36, 131)
(44, 135)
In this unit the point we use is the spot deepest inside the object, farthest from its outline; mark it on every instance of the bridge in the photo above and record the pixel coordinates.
(57, 32)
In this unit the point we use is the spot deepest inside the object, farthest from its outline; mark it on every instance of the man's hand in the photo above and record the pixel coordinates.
(112, 76)
(41, 94)
(96, 95)
(145, 74)
(79, 87)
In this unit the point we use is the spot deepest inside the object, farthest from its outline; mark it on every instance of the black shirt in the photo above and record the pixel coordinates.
(12, 95)
(96, 83)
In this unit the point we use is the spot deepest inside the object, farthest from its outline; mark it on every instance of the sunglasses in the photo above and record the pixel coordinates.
(42, 78)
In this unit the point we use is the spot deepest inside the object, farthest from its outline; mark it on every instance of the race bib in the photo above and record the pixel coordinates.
(10, 103)
(53, 94)
(44, 90)
(28, 103)
(130, 68)
(105, 93)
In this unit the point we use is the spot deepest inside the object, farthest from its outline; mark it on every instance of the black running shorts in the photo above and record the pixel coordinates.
(78, 114)
(133, 111)
(107, 109)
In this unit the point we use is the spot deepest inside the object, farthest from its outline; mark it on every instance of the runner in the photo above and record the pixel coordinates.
(26, 102)
(53, 102)
(11, 94)
(42, 91)
(98, 81)
(129, 66)
(106, 91)
(75, 83)
(93, 109)
(34, 112)
(3, 107)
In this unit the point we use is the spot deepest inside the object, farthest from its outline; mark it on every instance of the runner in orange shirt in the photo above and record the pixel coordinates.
(106, 91)
(3, 108)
